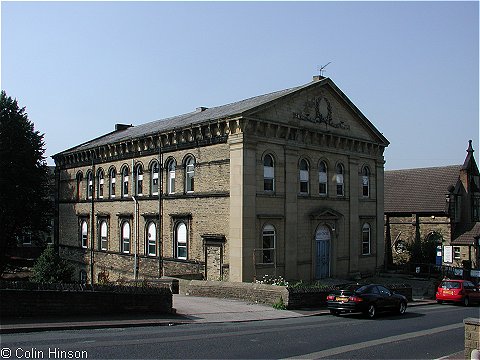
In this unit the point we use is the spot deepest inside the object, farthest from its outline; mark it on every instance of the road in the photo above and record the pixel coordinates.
(426, 332)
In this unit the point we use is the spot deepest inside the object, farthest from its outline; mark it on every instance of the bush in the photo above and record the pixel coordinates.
(51, 268)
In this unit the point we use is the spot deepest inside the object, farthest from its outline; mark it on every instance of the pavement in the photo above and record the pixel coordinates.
(188, 310)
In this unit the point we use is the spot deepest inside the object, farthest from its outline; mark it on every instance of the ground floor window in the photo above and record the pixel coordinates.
(151, 239)
(268, 244)
(366, 245)
(126, 237)
(456, 253)
(181, 241)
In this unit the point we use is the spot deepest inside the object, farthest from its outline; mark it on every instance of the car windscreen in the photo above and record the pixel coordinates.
(450, 285)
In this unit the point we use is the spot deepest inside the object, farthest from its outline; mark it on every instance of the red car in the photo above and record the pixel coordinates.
(461, 291)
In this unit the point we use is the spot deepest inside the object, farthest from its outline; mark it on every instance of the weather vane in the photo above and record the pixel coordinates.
(321, 69)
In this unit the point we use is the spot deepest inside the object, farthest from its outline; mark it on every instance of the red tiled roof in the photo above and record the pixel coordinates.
(419, 190)
(468, 234)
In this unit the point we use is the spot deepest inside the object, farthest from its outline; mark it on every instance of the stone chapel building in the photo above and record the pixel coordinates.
(286, 184)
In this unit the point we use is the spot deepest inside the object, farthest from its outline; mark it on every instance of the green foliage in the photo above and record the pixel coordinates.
(422, 252)
(24, 201)
(279, 305)
(51, 268)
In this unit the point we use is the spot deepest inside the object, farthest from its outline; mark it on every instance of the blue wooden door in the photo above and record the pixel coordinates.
(322, 245)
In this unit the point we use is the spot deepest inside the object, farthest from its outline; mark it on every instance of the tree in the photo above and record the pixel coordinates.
(24, 200)
(51, 268)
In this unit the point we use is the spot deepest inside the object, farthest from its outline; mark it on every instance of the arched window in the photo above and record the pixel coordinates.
(322, 178)
(181, 241)
(89, 185)
(154, 178)
(79, 185)
(268, 244)
(101, 178)
(304, 176)
(189, 174)
(151, 242)
(171, 177)
(126, 237)
(268, 173)
(339, 180)
(366, 181)
(139, 180)
(366, 248)
(111, 186)
(84, 233)
(103, 241)
(125, 181)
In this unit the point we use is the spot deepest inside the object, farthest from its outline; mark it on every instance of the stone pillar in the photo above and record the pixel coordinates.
(472, 337)
(354, 230)
(291, 216)
(242, 209)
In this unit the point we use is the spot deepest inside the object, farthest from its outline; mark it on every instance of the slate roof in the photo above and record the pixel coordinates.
(420, 190)
(468, 233)
(239, 108)
(180, 121)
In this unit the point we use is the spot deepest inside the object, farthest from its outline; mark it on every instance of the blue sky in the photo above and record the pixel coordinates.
(412, 68)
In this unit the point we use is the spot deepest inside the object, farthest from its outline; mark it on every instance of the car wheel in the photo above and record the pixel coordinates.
(371, 311)
(466, 301)
(440, 301)
(402, 308)
(334, 312)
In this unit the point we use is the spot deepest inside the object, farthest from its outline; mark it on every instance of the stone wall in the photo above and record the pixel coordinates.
(18, 302)
(472, 337)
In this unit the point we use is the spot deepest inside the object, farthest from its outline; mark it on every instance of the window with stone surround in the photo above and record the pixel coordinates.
(89, 184)
(322, 178)
(268, 244)
(366, 239)
(366, 181)
(79, 179)
(181, 240)
(189, 174)
(340, 180)
(154, 172)
(125, 181)
(84, 233)
(101, 178)
(111, 186)
(171, 165)
(268, 174)
(103, 235)
(304, 175)
(151, 240)
(125, 236)
(139, 180)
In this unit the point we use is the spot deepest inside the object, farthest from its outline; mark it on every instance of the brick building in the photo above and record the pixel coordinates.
(437, 204)
(288, 183)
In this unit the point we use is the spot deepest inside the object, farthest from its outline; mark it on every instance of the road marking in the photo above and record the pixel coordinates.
(342, 349)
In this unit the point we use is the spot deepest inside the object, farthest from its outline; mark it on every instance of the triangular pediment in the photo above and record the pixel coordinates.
(322, 107)
(325, 214)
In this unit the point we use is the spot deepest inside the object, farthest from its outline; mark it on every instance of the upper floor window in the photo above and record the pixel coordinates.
(126, 237)
(89, 185)
(79, 185)
(476, 209)
(151, 242)
(181, 241)
(103, 241)
(101, 178)
(268, 173)
(154, 178)
(139, 180)
(268, 244)
(304, 176)
(366, 239)
(366, 181)
(322, 178)
(189, 174)
(171, 177)
(339, 180)
(125, 182)
(84, 233)
(111, 186)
